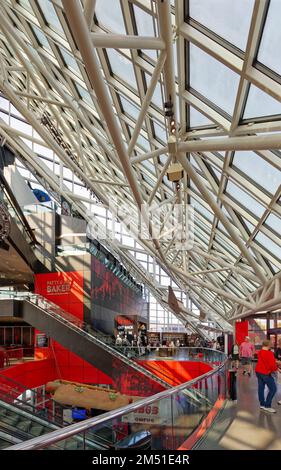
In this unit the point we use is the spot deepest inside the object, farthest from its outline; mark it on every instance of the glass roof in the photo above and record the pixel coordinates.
(230, 20)
(226, 84)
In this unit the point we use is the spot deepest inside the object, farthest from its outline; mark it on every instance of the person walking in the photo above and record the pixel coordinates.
(278, 360)
(266, 366)
(246, 353)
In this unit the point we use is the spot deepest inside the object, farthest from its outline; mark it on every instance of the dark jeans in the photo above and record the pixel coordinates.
(264, 380)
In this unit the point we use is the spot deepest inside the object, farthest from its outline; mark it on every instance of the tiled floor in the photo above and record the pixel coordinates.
(242, 425)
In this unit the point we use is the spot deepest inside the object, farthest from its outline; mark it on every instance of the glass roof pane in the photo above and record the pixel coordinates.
(258, 169)
(160, 132)
(143, 142)
(149, 166)
(41, 38)
(70, 61)
(122, 67)
(260, 104)
(202, 209)
(50, 14)
(248, 224)
(274, 222)
(110, 15)
(198, 119)
(144, 23)
(269, 50)
(84, 94)
(268, 244)
(230, 20)
(157, 96)
(129, 108)
(219, 85)
(244, 199)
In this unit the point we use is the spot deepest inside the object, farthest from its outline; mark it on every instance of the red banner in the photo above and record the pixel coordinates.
(241, 330)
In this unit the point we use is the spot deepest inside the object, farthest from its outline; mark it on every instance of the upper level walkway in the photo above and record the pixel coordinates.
(242, 425)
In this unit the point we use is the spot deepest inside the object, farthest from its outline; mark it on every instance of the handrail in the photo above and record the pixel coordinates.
(75, 324)
(35, 417)
(56, 436)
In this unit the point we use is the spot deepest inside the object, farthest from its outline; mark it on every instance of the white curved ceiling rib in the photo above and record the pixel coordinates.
(103, 84)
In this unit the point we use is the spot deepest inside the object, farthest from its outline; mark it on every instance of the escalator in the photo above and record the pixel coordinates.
(6, 441)
(22, 425)
(26, 416)
(78, 338)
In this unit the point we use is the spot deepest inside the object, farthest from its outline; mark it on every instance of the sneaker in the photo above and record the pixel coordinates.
(279, 402)
(262, 407)
(269, 410)
(244, 372)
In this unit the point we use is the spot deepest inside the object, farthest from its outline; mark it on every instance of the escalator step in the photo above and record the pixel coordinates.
(11, 420)
(24, 426)
(37, 430)
(73, 445)
(4, 444)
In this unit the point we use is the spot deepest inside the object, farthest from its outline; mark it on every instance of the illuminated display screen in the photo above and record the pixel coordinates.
(112, 298)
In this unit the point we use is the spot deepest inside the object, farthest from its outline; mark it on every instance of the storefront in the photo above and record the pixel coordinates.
(259, 328)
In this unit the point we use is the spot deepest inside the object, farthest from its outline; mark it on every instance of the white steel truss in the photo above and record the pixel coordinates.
(102, 74)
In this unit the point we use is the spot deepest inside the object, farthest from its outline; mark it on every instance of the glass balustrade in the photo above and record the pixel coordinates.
(165, 421)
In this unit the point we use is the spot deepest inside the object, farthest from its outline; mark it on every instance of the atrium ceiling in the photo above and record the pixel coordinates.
(95, 80)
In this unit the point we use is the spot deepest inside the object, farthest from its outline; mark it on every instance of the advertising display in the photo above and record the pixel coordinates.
(114, 304)
(64, 289)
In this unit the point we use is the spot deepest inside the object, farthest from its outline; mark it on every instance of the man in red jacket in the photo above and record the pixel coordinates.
(265, 367)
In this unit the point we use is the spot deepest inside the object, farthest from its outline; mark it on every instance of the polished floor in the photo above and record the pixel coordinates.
(242, 425)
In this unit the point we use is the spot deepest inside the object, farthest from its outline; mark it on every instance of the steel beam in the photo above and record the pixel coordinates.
(117, 41)
(219, 213)
(264, 142)
(146, 102)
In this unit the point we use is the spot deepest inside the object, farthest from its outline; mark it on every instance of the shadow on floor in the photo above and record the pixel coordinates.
(242, 425)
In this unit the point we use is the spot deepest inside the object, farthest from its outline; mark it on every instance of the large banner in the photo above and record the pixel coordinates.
(64, 289)
(112, 299)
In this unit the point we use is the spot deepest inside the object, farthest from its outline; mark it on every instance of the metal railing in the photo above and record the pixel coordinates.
(70, 321)
(35, 407)
(170, 416)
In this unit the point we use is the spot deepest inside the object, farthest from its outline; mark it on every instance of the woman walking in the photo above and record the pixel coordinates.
(265, 369)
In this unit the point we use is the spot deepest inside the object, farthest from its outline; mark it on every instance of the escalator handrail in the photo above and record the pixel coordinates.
(32, 413)
(19, 404)
(73, 321)
(65, 433)
(77, 324)
(46, 424)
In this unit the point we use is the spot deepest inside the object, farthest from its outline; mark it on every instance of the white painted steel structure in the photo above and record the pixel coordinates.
(102, 70)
